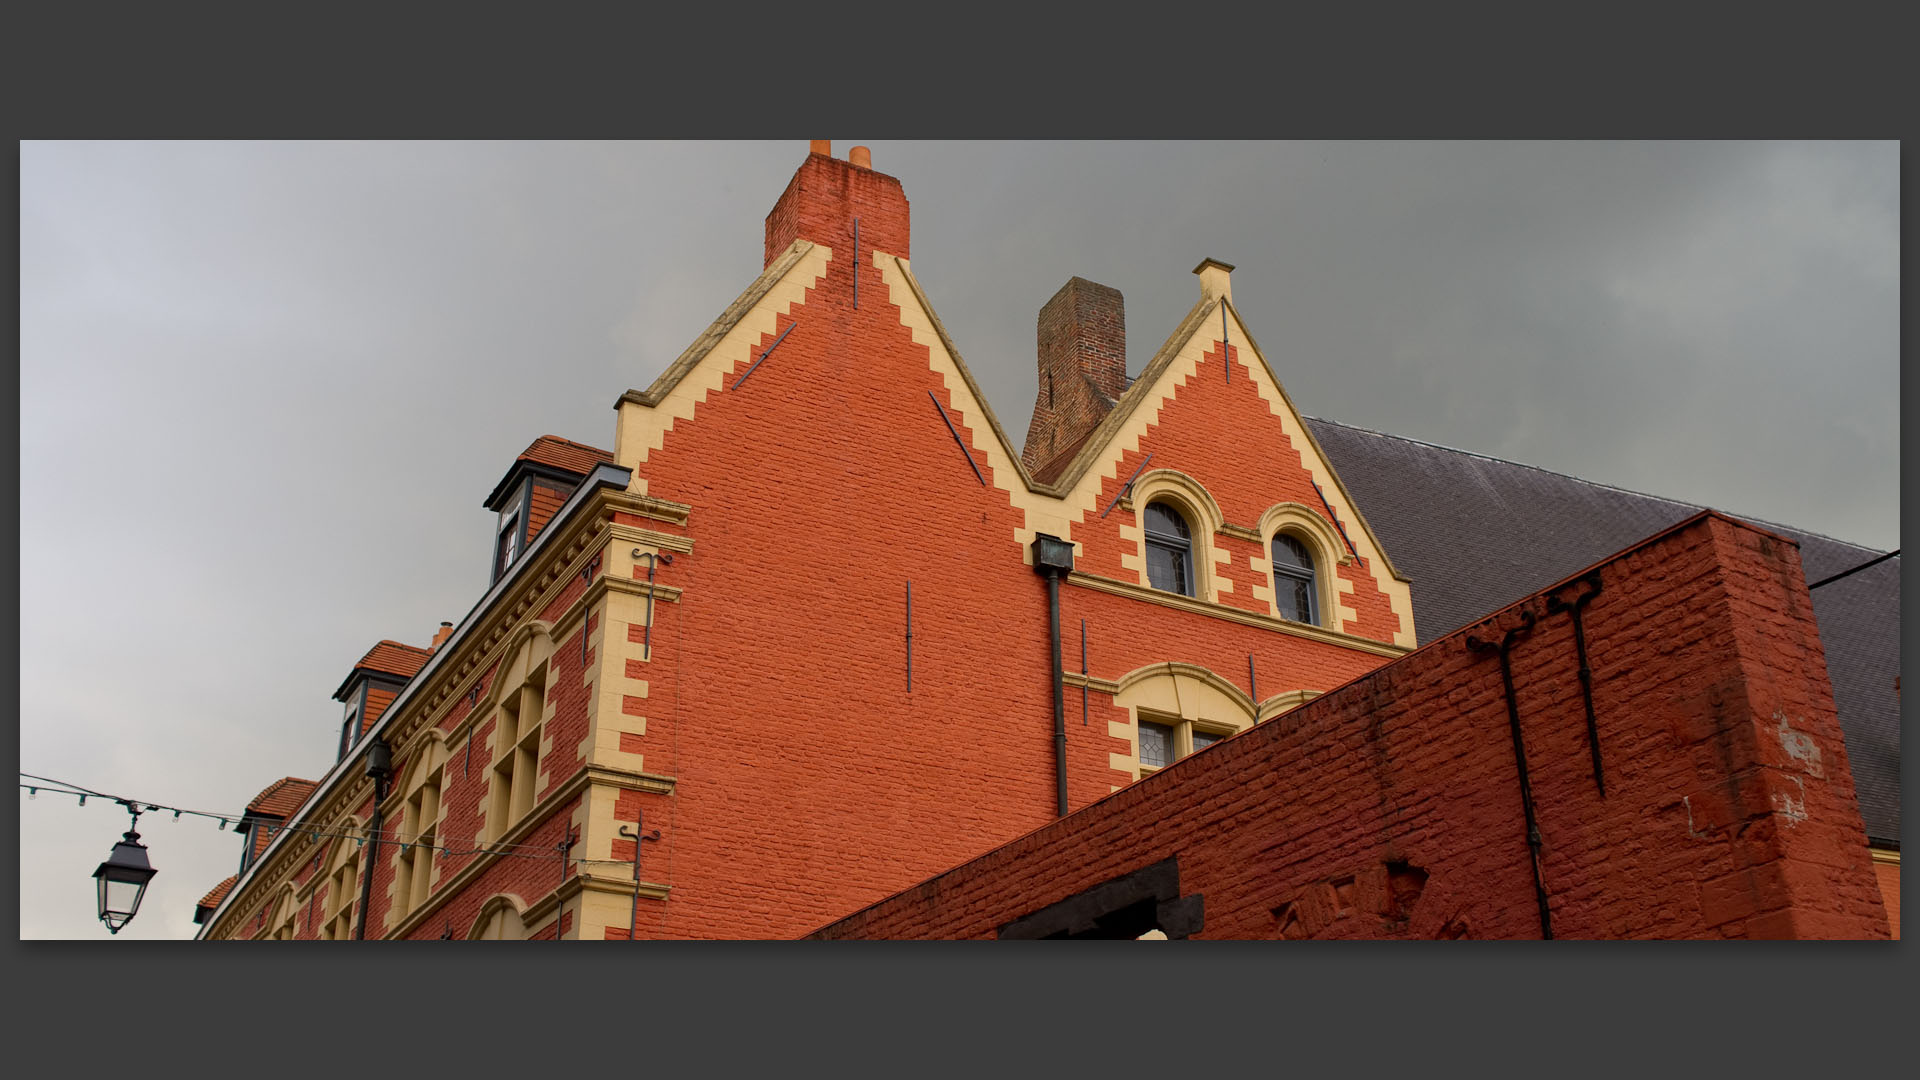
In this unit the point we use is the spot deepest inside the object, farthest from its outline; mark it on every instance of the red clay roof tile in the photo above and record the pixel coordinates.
(396, 659)
(282, 797)
(559, 453)
(218, 892)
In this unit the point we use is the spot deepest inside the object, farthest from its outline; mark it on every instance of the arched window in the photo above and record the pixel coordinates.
(343, 886)
(1169, 550)
(1293, 580)
(498, 921)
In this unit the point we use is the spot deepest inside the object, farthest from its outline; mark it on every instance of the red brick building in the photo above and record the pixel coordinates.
(815, 630)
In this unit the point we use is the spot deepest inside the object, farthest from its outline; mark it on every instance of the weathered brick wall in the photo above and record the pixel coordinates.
(822, 201)
(1392, 808)
(1081, 344)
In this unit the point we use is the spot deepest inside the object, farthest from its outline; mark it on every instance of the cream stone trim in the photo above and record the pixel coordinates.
(1186, 697)
(1041, 509)
(492, 905)
(647, 538)
(1231, 614)
(600, 830)
(537, 913)
(1203, 518)
(625, 607)
(569, 619)
(589, 780)
(1328, 551)
(431, 757)
(1398, 591)
(1238, 532)
(1287, 702)
(645, 418)
(1091, 682)
(285, 908)
(658, 509)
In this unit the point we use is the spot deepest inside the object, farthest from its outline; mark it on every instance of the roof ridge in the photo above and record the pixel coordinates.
(403, 645)
(569, 442)
(1591, 483)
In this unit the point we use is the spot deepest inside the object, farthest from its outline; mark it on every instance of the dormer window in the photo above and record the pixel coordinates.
(533, 491)
(507, 547)
(349, 732)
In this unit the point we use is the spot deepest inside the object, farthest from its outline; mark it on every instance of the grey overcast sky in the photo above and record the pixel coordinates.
(265, 387)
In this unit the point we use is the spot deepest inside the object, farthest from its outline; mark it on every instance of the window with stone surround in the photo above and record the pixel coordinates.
(516, 763)
(419, 830)
(1169, 548)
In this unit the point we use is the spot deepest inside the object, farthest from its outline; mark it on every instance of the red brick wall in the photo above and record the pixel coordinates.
(1221, 432)
(1081, 343)
(377, 701)
(1719, 819)
(546, 501)
(810, 781)
(821, 202)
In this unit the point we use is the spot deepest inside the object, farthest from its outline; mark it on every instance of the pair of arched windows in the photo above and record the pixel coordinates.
(1169, 543)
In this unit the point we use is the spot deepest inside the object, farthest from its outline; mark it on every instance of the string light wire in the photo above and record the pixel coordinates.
(314, 830)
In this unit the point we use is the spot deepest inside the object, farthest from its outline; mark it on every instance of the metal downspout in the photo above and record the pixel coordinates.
(1053, 558)
(1059, 704)
(1505, 649)
(379, 768)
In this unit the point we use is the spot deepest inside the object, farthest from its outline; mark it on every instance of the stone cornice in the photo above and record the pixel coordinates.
(1233, 614)
(542, 812)
(564, 549)
(539, 910)
(1092, 682)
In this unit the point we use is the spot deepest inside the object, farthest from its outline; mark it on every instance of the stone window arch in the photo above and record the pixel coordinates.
(519, 694)
(1292, 535)
(419, 833)
(283, 920)
(1175, 709)
(1187, 498)
(343, 880)
(500, 919)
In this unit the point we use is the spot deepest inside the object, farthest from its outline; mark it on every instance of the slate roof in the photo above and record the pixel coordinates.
(1475, 534)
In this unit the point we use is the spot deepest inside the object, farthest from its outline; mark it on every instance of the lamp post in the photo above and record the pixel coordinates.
(123, 878)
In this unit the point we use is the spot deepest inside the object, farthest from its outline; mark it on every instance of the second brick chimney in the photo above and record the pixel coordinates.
(1082, 342)
(826, 195)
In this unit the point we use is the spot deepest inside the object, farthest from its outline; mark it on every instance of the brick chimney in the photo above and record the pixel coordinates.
(441, 635)
(824, 197)
(1082, 338)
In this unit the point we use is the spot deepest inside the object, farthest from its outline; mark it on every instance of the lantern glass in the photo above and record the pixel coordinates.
(122, 881)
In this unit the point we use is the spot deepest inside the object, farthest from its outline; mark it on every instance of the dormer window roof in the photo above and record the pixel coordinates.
(533, 490)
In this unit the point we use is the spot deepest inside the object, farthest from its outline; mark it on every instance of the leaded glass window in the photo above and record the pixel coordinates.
(1156, 745)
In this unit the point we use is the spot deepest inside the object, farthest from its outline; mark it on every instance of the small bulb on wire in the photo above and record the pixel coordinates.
(33, 793)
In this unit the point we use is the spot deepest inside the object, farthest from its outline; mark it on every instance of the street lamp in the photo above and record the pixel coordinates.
(123, 877)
